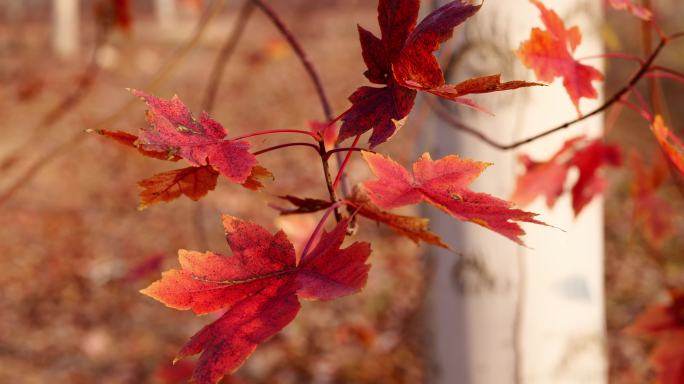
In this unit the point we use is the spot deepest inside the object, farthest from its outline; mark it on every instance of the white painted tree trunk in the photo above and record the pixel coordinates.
(167, 13)
(511, 314)
(65, 35)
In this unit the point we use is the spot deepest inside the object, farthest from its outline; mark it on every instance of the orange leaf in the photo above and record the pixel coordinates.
(193, 182)
(550, 54)
(671, 144)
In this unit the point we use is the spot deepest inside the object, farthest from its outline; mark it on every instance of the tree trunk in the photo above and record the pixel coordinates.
(65, 36)
(167, 13)
(504, 313)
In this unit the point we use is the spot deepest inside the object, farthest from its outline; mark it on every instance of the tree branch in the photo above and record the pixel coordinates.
(448, 118)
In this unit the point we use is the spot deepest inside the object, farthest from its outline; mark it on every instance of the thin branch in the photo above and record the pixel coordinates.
(447, 117)
(299, 51)
(275, 131)
(225, 54)
(275, 147)
(69, 102)
(347, 149)
(316, 80)
(350, 151)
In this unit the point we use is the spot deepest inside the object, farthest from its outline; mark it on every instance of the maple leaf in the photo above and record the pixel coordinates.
(670, 144)
(649, 208)
(544, 178)
(122, 13)
(548, 178)
(173, 129)
(258, 286)
(588, 160)
(444, 184)
(415, 228)
(629, 6)
(306, 205)
(193, 182)
(550, 54)
(403, 61)
(668, 359)
(256, 177)
(661, 319)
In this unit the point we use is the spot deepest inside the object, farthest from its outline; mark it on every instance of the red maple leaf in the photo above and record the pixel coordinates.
(550, 54)
(672, 145)
(403, 61)
(173, 129)
(661, 319)
(629, 6)
(649, 208)
(122, 13)
(548, 178)
(588, 161)
(544, 178)
(666, 324)
(444, 184)
(258, 286)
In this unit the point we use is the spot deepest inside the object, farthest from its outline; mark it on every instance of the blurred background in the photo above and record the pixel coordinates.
(75, 249)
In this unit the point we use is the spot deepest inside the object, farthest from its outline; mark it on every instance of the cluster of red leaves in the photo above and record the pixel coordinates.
(174, 134)
(402, 61)
(548, 178)
(550, 54)
(258, 287)
(665, 324)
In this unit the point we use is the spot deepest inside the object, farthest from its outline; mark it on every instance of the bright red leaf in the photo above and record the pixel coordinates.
(258, 287)
(550, 54)
(588, 161)
(201, 142)
(548, 178)
(672, 145)
(402, 60)
(444, 183)
(629, 6)
(544, 178)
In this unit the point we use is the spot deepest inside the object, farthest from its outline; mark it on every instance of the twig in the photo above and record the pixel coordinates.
(225, 54)
(299, 51)
(66, 104)
(296, 144)
(316, 80)
(447, 117)
(350, 151)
